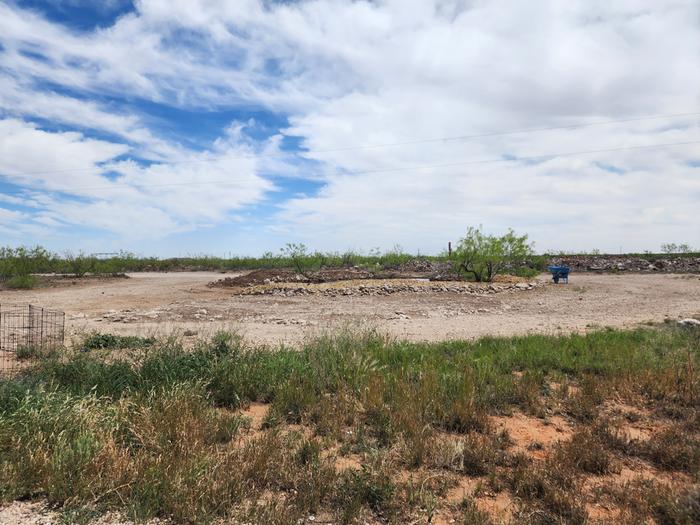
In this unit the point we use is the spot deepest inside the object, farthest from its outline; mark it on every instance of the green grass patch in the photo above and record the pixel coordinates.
(22, 282)
(161, 436)
(98, 341)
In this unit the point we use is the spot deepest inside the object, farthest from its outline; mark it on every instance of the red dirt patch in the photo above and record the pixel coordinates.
(256, 412)
(531, 435)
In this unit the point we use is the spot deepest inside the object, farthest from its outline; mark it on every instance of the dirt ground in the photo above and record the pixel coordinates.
(181, 302)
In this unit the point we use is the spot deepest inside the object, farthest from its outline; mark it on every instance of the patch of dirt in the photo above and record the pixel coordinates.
(533, 436)
(352, 461)
(178, 302)
(465, 488)
(256, 412)
(499, 506)
(64, 280)
(38, 513)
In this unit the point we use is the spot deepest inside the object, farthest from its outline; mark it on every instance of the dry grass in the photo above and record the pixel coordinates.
(357, 428)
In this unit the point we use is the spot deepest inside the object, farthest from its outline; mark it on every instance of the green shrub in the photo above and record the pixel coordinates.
(33, 352)
(22, 282)
(98, 340)
(482, 256)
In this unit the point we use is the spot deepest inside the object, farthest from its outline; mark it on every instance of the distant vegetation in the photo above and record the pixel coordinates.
(477, 256)
(21, 262)
(673, 248)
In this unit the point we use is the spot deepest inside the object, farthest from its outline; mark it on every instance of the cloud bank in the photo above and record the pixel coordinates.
(319, 111)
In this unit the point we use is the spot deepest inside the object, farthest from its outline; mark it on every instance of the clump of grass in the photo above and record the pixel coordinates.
(25, 352)
(22, 282)
(99, 341)
(550, 492)
(585, 453)
(367, 488)
(470, 514)
(643, 499)
(674, 448)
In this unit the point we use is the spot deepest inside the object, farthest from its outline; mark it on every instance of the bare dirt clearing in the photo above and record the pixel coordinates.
(160, 303)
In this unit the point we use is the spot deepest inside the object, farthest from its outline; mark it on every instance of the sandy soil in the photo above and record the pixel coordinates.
(159, 303)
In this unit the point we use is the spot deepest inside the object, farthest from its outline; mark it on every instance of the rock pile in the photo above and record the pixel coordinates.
(629, 263)
(384, 288)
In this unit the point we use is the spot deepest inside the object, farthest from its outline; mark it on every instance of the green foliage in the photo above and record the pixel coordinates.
(24, 261)
(17, 265)
(299, 256)
(99, 340)
(673, 248)
(22, 282)
(80, 263)
(483, 256)
(24, 352)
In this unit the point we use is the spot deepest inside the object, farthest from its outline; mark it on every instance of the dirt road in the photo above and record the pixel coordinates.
(149, 303)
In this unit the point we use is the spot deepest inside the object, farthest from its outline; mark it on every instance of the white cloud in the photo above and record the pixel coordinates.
(149, 202)
(353, 73)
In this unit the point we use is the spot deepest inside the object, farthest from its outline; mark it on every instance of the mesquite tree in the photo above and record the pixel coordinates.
(483, 256)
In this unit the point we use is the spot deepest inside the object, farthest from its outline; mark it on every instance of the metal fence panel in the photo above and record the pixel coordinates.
(26, 327)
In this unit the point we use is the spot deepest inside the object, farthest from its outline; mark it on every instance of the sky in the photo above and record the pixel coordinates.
(185, 127)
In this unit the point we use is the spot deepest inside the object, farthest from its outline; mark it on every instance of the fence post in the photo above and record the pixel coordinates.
(41, 328)
(30, 326)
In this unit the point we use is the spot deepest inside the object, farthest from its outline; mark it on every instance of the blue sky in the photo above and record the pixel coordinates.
(173, 127)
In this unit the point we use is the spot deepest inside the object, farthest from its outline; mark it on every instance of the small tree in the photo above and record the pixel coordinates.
(483, 256)
(672, 247)
(299, 255)
(669, 247)
(80, 264)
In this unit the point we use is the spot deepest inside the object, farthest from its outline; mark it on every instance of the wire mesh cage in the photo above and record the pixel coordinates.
(28, 330)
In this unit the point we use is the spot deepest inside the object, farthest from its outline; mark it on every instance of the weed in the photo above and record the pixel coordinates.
(550, 493)
(98, 340)
(24, 352)
(673, 449)
(585, 453)
(471, 514)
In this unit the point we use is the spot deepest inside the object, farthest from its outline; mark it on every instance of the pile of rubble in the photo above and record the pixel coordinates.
(372, 288)
(628, 263)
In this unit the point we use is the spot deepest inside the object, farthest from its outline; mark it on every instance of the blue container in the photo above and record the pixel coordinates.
(559, 273)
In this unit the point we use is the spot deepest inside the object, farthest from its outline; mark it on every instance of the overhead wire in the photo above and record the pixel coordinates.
(301, 153)
(528, 158)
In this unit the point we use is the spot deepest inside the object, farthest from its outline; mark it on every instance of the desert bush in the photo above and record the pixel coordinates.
(24, 352)
(80, 263)
(22, 262)
(673, 449)
(98, 341)
(483, 256)
(22, 282)
(673, 248)
(585, 452)
(550, 493)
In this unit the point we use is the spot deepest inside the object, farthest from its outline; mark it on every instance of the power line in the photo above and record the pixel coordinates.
(386, 170)
(453, 138)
